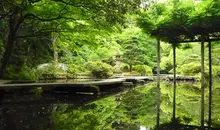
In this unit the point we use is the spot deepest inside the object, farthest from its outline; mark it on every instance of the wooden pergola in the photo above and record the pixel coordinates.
(203, 33)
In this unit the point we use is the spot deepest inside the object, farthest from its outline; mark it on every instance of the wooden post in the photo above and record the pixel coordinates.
(158, 83)
(202, 83)
(174, 81)
(210, 85)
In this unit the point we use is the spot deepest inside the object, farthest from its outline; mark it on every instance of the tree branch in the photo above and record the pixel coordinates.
(79, 4)
(48, 19)
(14, 4)
(2, 16)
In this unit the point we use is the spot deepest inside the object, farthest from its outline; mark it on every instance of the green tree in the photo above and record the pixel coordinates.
(132, 54)
(22, 18)
(136, 47)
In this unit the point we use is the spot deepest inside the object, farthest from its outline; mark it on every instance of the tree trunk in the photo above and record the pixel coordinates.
(130, 67)
(7, 53)
(55, 52)
(14, 24)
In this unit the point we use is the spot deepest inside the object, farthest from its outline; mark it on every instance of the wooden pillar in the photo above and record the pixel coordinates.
(174, 81)
(158, 84)
(210, 85)
(202, 83)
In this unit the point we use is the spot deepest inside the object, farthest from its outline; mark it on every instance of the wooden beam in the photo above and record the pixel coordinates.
(174, 81)
(211, 40)
(202, 84)
(158, 84)
(210, 85)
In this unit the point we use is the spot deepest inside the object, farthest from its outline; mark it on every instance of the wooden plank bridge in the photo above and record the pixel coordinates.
(87, 86)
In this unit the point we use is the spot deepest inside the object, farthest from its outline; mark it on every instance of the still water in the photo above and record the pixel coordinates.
(131, 109)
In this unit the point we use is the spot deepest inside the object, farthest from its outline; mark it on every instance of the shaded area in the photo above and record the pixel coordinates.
(127, 110)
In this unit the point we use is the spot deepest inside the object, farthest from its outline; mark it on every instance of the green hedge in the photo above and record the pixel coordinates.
(124, 67)
(100, 70)
(143, 70)
(216, 71)
(20, 73)
(51, 71)
(191, 69)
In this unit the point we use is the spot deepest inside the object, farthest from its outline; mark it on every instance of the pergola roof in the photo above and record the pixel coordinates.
(193, 34)
(180, 24)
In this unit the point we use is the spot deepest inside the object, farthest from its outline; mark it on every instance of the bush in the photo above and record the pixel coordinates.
(143, 70)
(51, 71)
(216, 71)
(20, 73)
(124, 67)
(132, 73)
(100, 70)
(75, 70)
(192, 68)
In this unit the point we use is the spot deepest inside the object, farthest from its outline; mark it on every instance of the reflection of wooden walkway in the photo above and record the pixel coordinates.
(46, 100)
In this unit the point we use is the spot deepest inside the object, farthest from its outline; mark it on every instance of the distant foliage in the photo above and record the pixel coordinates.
(51, 71)
(75, 70)
(192, 68)
(20, 73)
(216, 71)
(137, 48)
(72, 71)
(125, 126)
(143, 70)
(124, 67)
(164, 17)
(100, 70)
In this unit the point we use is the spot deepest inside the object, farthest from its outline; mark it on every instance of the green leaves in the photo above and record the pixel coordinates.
(173, 21)
(100, 70)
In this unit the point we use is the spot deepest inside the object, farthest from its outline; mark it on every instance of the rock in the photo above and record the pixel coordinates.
(58, 65)
(180, 78)
(128, 84)
(118, 97)
(141, 82)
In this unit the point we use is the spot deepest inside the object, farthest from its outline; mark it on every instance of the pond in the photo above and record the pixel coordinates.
(133, 109)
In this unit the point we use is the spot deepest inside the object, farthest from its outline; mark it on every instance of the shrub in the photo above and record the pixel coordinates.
(51, 71)
(75, 70)
(124, 67)
(72, 69)
(192, 68)
(132, 73)
(216, 71)
(20, 73)
(142, 70)
(100, 70)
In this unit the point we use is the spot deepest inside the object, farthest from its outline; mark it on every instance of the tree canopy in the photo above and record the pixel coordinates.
(80, 31)
(182, 21)
(32, 20)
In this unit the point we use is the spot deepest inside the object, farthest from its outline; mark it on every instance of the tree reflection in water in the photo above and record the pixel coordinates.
(135, 110)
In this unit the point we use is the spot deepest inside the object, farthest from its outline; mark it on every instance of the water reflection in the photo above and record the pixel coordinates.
(134, 109)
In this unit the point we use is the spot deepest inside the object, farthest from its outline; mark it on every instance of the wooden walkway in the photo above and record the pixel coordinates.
(94, 87)
(74, 84)
(135, 79)
(88, 86)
